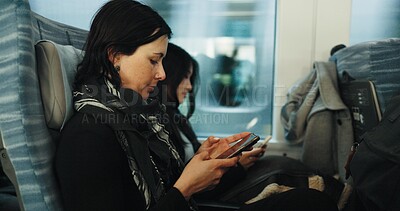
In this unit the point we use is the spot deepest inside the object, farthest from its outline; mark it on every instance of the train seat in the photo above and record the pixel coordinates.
(27, 144)
(377, 61)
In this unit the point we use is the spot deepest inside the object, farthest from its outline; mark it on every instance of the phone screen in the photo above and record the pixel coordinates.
(263, 143)
(239, 146)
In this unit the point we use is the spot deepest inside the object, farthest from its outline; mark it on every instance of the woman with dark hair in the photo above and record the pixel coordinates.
(172, 92)
(186, 70)
(183, 70)
(115, 153)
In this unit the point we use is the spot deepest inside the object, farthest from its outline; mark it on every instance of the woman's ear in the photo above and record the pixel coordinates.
(112, 56)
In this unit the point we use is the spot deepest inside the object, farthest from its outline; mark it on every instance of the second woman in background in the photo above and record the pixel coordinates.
(182, 72)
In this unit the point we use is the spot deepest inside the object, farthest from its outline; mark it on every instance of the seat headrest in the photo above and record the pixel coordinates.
(56, 67)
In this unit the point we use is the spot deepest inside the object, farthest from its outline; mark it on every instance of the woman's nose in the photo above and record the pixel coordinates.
(161, 74)
(189, 85)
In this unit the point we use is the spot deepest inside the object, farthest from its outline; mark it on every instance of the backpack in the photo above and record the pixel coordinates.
(375, 166)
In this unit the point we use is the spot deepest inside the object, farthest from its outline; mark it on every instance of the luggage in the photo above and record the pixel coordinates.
(375, 166)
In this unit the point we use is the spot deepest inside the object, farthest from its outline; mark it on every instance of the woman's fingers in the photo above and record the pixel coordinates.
(204, 155)
(228, 162)
(236, 137)
(255, 151)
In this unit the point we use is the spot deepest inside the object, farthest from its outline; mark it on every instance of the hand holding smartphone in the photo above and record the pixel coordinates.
(263, 143)
(239, 146)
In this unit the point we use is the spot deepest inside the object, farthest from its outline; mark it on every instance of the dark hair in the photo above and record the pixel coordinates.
(177, 65)
(119, 26)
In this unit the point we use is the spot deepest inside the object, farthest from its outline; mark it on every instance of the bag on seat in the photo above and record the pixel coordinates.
(375, 167)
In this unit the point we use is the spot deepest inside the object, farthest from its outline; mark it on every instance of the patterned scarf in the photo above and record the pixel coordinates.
(138, 128)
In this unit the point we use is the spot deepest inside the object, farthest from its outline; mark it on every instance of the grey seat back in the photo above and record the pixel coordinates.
(26, 140)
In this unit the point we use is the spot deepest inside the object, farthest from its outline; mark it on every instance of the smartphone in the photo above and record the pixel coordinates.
(240, 146)
(263, 143)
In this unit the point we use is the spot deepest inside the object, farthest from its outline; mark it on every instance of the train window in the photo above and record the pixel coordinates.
(374, 20)
(72, 12)
(233, 41)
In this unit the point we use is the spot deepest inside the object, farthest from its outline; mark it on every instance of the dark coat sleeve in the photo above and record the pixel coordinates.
(173, 200)
(94, 174)
(179, 122)
(232, 177)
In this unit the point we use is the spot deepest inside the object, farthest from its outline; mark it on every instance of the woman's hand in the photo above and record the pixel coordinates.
(208, 144)
(215, 146)
(250, 157)
(202, 172)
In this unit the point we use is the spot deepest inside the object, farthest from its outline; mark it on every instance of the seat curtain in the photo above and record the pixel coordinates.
(26, 138)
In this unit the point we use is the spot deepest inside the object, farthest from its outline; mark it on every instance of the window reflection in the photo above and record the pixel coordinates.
(233, 41)
(374, 20)
(227, 73)
(76, 13)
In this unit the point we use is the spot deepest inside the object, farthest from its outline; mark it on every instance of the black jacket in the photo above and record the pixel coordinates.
(94, 174)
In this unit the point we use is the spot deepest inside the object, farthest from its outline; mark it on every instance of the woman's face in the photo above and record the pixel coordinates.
(142, 70)
(184, 87)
